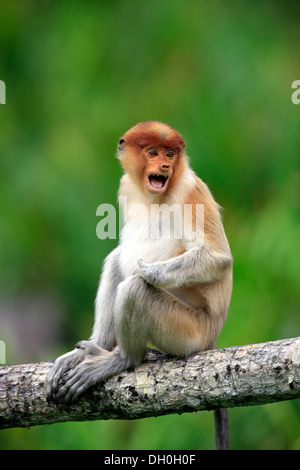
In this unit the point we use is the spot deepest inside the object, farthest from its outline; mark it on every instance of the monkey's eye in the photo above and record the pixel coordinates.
(153, 153)
(170, 154)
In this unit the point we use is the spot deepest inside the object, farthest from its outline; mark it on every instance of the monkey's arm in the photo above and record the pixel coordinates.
(197, 265)
(103, 338)
(103, 331)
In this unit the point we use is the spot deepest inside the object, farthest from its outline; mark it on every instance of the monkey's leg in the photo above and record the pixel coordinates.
(141, 313)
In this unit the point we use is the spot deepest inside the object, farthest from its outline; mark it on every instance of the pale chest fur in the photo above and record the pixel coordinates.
(136, 244)
(151, 232)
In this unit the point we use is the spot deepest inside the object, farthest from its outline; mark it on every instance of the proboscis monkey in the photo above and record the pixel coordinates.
(171, 289)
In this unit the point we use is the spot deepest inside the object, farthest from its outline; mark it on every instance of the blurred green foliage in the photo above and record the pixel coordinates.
(78, 75)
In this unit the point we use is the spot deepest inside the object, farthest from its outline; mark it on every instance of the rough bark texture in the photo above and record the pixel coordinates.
(235, 376)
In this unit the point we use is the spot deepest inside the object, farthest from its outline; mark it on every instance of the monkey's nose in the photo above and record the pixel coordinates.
(164, 166)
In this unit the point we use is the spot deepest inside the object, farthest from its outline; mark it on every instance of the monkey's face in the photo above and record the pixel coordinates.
(159, 168)
(152, 154)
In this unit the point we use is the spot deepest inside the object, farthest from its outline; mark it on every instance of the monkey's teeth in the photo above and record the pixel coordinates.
(157, 181)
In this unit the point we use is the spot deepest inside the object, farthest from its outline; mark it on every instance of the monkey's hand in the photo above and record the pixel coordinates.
(66, 363)
(79, 379)
(93, 369)
(153, 273)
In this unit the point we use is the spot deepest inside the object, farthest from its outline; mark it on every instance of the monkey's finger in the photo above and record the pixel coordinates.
(76, 385)
(57, 375)
(62, 392)
(91, 349)
(83, 344)
(57, 372)
(53, 378)
(76, 390)
(142, 263)
(70, 380)
(50, 391)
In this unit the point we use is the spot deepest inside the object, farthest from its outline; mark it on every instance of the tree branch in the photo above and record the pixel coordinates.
(234, 376)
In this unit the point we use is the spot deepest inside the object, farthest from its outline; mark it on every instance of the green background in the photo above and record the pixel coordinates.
(78, 75)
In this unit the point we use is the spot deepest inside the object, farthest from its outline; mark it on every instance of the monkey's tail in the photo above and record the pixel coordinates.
(221, 429)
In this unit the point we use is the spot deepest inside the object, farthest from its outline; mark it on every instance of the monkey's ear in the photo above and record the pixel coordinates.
(121, 142)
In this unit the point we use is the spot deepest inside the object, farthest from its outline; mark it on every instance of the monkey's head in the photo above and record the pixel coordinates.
(152, 154)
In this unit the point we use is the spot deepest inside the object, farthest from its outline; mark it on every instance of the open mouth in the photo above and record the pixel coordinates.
(157, 181)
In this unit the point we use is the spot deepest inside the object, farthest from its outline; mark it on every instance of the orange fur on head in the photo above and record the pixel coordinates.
(154, 133)
(135, 144)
